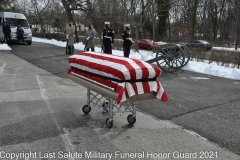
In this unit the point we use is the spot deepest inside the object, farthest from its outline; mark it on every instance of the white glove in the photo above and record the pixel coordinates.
(67, 36)
(88, 38)
(130, 39)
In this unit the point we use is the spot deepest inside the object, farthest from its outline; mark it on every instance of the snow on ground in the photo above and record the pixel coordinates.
(4, 47)
(194, 66)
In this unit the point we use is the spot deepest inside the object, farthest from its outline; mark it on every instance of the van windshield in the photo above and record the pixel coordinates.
(16, 22)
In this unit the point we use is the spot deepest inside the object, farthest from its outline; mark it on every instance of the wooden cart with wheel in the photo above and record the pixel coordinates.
(171, 57)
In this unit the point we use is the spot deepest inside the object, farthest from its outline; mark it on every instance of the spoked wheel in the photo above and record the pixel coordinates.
(170, 57)
(86, 109)
(131, 119)
(186, 53)
(109, 123)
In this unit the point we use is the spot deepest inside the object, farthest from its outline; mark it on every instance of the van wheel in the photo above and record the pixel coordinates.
(29, 43)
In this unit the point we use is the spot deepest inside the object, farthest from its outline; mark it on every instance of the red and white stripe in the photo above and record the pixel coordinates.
(112, 66)
(121, 68)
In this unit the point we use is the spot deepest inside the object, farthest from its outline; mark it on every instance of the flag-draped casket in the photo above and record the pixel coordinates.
(127, 76)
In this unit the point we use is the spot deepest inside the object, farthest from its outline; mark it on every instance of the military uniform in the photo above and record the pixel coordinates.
(70, 38)
(108, 38)
(127, 40)
(90, 34)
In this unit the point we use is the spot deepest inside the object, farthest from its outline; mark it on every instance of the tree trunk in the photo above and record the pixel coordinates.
(70, 17)
(194, 18)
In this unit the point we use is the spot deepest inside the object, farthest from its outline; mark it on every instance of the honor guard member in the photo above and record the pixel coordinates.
(90, 34)
(127, 40)
(7, 33)
(108, 38)
(70, 38)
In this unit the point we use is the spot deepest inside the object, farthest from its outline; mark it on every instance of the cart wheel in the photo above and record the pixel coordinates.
(109, 123)
(186, 53)
(170, 57)
(86, 109)
(131, 119)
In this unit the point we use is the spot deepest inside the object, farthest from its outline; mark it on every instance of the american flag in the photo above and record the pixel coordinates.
(127, 76)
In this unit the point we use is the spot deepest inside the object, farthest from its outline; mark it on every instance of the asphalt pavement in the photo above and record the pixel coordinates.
(41, 118)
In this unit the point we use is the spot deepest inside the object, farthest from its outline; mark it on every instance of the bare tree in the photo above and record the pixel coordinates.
(181, 20)
(6, 5)
(39, 13)
(71, 6)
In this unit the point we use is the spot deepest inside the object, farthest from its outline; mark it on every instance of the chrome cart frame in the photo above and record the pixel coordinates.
(99, 95)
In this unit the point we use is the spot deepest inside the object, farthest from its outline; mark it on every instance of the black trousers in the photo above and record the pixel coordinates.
(92, 49)
(8, 39)
(126, 50)
(108, 48)
(70, 50)
(20, 37)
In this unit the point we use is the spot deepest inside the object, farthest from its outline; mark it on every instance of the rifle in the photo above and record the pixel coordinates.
(67, 47)
(85, 46)
(102, 49)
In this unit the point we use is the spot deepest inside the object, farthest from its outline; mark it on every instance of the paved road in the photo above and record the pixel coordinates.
(207, 105)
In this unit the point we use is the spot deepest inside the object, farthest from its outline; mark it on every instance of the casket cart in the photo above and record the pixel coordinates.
(115, 83)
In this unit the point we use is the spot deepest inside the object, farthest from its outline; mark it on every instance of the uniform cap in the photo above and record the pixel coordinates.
(126, 25)
(106, 22)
